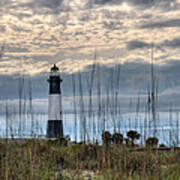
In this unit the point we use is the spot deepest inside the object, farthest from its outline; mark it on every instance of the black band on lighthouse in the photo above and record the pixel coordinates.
(54, 128)
(54, 85)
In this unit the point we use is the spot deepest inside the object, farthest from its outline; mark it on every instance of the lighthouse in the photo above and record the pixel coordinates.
(55, 124)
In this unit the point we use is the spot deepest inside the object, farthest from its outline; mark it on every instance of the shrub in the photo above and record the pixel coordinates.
(133, 135)
(117, 138)
(152, 142)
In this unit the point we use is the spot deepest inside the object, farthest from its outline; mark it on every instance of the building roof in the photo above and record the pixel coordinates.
(54, 68)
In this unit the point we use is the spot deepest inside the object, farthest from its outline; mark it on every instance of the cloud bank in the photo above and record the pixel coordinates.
(40, 33)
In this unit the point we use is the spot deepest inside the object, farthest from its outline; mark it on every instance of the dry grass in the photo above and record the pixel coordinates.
(38, 159)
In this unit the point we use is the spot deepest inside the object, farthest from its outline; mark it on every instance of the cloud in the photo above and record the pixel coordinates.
(133, 45)
(156, 4)
(16, 49)
(134, 79)
(102, 2)
(175, 43)
(67, 32)
(112, 25)
(39, 6)
(2, 28)
(143, 2)
(43, 3)
(162, 24)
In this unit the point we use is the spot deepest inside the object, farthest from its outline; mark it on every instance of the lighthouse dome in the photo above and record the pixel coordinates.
(54, 71)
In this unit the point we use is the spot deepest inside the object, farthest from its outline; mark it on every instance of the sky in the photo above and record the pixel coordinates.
(39, 33)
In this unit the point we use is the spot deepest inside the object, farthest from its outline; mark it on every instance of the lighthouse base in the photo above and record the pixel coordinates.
(54, 129)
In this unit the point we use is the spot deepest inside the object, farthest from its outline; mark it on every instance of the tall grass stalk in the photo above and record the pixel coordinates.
(74, 106)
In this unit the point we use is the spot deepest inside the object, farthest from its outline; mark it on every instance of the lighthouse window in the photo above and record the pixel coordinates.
(54, 85)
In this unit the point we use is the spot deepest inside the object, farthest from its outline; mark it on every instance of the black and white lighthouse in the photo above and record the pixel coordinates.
(55, 124)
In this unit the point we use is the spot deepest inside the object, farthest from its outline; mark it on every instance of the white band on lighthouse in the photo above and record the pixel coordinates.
(54, 108)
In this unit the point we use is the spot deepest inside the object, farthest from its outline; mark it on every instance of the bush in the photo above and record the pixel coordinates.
(117, 138)
(133, 135)
(152, 142)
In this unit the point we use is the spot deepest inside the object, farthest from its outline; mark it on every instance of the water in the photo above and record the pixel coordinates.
(166, 128)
